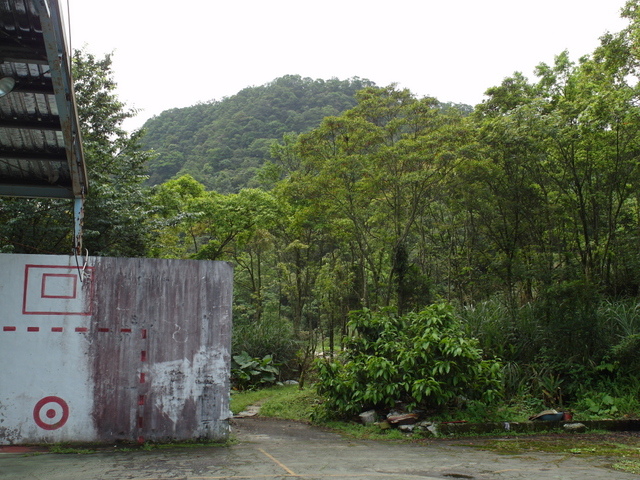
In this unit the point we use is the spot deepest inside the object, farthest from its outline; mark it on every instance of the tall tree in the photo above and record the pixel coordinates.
(116, 206)
(374, 169)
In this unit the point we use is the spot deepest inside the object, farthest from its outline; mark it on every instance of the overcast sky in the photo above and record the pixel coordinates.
(171, 54)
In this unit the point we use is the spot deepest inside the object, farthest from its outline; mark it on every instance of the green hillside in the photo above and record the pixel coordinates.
(223, 143)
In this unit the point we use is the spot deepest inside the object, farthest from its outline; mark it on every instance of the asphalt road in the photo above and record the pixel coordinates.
(269, 449)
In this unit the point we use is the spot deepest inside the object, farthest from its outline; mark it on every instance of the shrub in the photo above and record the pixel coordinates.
(248, 372)
(423, 360)
(269, 336)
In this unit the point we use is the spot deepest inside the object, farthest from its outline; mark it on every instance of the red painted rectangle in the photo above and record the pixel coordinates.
(33, 329)
(73, 286)
(144, 333)
(142, 377)
(48, 289)
(57, 329)
(140, 399)
(125, 330)
(82, 329)
(103, 329)
(143, 356)
(8, 329)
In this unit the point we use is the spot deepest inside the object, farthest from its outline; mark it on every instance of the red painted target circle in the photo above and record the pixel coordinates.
(51, 413)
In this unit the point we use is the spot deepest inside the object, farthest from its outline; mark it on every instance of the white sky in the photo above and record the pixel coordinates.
(171, 54)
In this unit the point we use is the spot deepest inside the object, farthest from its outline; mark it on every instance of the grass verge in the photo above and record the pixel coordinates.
(286, 401)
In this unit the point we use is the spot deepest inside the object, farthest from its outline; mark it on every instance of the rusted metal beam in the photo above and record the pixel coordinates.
(60, 67)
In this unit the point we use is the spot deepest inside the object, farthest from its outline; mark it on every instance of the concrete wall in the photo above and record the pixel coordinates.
(114, 349)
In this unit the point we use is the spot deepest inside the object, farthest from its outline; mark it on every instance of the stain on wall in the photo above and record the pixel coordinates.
(117, 349)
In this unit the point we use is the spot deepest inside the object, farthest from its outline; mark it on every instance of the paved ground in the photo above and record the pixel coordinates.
(268, 449)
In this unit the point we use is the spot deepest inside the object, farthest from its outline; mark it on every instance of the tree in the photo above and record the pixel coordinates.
(373, 170)
(176, 230)
(116, 206)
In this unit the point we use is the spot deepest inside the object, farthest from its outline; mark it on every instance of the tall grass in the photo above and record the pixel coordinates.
(621, 317)
(558, 346)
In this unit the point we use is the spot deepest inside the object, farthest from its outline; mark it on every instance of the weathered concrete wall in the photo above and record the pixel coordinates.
(117, 349)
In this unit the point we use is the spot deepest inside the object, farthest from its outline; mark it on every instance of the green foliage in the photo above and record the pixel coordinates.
(281, 401)
(248, 372)
(423, 360)
(524, 213)
(602, 406)
(116, 206)
(70, 450)
(224, 144)
(629, 466)
(609, 399)
(269, 336)
(546, 358)
(626, 353)
(294, 403)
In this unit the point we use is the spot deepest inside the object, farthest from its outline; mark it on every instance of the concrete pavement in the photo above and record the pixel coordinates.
(268, 449)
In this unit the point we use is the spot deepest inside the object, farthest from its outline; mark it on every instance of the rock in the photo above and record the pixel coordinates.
(421, 428)
(384, 425)
(406, 428)
(574, 427)
(433, 428)
(368, 417)
(251, 411)
(424, 424)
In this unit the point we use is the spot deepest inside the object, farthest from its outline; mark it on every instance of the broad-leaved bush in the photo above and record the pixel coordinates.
(423, 360)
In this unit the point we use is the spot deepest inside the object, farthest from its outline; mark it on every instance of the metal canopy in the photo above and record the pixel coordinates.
(40, 142)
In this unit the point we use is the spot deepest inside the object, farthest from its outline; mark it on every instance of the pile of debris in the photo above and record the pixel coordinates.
(405, 422)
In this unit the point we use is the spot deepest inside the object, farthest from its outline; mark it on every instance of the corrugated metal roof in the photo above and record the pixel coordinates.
(40, 141)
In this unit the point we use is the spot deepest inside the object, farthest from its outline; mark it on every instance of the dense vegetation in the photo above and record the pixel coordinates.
(224, 143)
(421, 360)
(523, 217)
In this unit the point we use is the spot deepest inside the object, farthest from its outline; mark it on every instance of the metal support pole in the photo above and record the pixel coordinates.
(78, 215)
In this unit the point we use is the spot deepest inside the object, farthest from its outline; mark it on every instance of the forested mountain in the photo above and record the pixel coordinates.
(223, 143)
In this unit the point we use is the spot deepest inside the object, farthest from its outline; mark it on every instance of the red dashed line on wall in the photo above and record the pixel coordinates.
(13, 328)
(143, 386)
